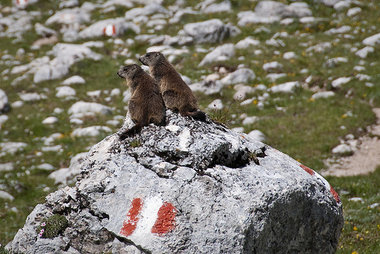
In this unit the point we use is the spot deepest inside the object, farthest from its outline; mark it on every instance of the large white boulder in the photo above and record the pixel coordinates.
(187, 187)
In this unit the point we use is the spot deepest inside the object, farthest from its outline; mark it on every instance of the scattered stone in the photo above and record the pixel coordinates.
(4, 167)
(342, 149)
(272, 66)
(257, 135)
(50, 120)
(337, 83)
(45, 166)
(70, 17)
(287, 87)
(109, 27)
(74, 80)
(324, 94)
(91, 131)
(81, 109)
(66, 56)
(372, 40)
(274, 76)
(210, 7)
(216, 104)
(243, 75)
(354, 11)
(242, 91)
(271, 11)
(207, 87)
(6, 195)
(247, 43)
(65, 92)
(4, 105)
(209, 31)
(363, 53)
(289, 55)
(32, 96)
(250, 120)
(356, 199)
(219, 54)
(11, 147)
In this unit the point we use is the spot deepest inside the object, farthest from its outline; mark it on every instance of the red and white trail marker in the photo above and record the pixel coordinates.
(149, 217)
(109, 30)
(323, 180)
(21, 3)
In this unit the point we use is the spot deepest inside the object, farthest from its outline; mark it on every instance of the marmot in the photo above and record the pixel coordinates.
(176, 93)
(146, 105)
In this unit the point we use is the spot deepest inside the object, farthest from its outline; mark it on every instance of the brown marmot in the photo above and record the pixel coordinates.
(146, 105)
(176, 93)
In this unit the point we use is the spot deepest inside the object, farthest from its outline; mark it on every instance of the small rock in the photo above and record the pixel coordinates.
(250, 120)
(74, 80)
(287, 87)
(4, 105)
(209, 31)
(216, 104)
(257, 135)
(340, 81)
(91, 131)
(356, 199)
(289, 55)
(65, 92)
(219, 54)
(325, 94)
(353, 11)
(342, 149)
(45, 166)
(247, 43)
(363, 53)
(272, 66)
(372, 40)
(6, 195)
(6, 167)
(50, 120)
(243, 75)
(81, 108)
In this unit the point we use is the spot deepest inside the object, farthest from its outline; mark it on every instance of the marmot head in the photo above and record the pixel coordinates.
(129, 71)
(151, 58)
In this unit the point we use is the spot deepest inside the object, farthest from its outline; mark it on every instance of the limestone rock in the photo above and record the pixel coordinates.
(219, 54)
(188, 187)
(272, 11)
(209, 31)
(109, 27)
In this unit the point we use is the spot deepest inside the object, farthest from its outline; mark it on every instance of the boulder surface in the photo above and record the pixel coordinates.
(187, 187)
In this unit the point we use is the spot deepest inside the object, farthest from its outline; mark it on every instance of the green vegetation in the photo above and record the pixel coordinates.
(52, 226)
(361, 231)
(304, 128)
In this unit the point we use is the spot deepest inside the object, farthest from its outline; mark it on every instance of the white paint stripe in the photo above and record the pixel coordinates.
(184, 139)
(109, 30)
(148, 217)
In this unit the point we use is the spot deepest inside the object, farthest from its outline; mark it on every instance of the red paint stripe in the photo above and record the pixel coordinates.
(104, 30)
(113, 29)
(130, 224)
(166, 219)
(308, 170)
(335, 194)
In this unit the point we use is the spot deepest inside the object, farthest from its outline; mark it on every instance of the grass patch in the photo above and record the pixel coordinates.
(361, 231)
